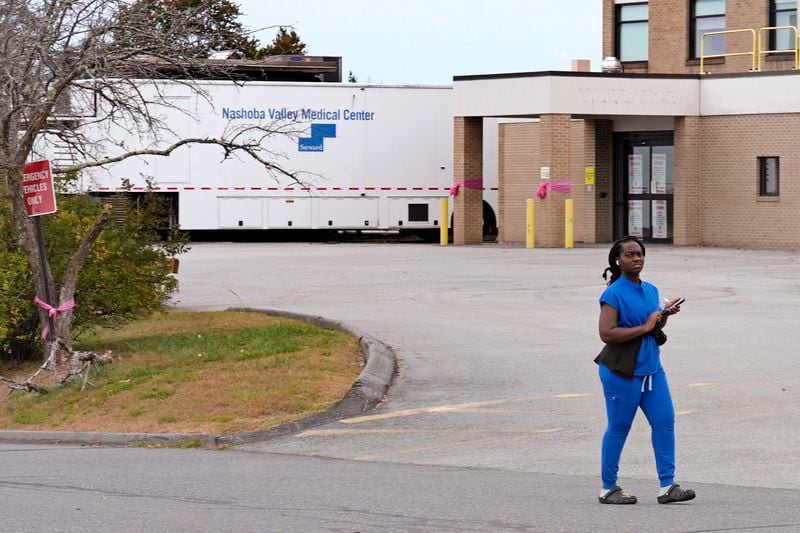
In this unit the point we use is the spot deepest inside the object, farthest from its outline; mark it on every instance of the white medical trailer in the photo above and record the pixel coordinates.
(371, 157)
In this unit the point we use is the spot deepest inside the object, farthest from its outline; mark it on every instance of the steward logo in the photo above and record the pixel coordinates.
(316, 142)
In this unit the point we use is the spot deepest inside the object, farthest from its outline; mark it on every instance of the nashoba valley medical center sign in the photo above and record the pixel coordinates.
(230, 113)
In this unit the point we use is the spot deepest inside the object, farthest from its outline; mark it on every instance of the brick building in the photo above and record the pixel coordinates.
(659, 149)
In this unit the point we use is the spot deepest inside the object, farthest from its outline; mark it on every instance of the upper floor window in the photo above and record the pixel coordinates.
(782, 13)
(707, 16)
(632, 31)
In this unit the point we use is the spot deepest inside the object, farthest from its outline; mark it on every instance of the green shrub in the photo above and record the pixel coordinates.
(124, 276)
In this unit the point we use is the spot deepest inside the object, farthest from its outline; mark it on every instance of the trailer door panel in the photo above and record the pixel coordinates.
(359, 212)
(240, 212)
(289, 212)
(420, 212)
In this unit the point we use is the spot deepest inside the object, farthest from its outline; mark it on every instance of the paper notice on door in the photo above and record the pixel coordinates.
(659, 184)
(659, 219)
(635, 218)
(635, 185)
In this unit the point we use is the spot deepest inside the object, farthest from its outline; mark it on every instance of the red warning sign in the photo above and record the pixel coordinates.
(37, 189)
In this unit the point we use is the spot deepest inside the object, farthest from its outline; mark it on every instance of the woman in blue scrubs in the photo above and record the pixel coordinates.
(631, 317)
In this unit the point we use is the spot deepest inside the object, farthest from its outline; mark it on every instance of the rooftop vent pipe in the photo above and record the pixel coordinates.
(611, 65)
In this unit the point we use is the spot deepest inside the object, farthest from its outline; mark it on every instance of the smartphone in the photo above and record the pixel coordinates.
(672, 304)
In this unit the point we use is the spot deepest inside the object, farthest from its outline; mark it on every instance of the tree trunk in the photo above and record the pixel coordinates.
(58, 344)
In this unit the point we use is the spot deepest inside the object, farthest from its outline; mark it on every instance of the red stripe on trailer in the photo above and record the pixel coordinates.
(102, 188)
(137, 188)
(291, 188)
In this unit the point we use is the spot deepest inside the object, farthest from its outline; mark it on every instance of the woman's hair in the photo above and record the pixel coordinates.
(613, 255)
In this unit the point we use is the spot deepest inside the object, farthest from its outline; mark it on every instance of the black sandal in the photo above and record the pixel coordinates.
(616, 497)
(677, 494)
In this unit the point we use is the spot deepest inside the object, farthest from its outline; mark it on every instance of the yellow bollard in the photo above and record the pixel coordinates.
(444, 217)
(569, 223)
(530, 229)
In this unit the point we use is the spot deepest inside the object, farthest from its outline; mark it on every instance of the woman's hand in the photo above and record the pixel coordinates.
(668, 311)
(652, 320)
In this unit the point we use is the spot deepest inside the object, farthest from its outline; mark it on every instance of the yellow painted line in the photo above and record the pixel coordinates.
(684, 413)
(702, 384)
(424, 410)
(463, 407)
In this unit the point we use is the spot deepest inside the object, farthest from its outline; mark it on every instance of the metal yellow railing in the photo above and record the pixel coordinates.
(762, 52)
(703, 55)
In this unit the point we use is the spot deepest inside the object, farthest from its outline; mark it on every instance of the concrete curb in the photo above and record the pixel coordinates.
(368, 391)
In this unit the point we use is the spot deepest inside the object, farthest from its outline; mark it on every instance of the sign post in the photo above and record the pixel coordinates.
(40, 199)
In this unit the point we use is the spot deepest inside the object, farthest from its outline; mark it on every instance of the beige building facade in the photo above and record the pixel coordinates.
(657, 150)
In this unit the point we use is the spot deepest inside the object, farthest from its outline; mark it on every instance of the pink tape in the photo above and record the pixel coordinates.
(52, 312)
(555, 186)
(467, 184)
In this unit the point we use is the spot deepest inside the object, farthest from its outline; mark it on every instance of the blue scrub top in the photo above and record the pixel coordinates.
(634, 303)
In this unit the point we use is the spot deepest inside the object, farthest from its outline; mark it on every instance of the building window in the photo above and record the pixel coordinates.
(782, 14)
(632, 31)
(768, 176)
(707, 16)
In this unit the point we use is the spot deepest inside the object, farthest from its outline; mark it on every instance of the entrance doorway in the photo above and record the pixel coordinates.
(644, 186)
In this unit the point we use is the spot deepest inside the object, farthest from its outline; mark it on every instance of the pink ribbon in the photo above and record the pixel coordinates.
(467, 184)
(52, 312)
(555, 186)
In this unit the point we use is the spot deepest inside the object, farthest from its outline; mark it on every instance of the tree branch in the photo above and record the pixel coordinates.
(79, 257)
(252, 149)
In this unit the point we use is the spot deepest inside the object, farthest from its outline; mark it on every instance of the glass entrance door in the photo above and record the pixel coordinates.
(645, 187)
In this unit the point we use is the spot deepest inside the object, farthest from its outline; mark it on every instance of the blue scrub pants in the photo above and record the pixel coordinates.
(623, 397)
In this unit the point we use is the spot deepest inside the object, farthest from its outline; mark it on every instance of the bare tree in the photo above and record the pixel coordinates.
(68, 63)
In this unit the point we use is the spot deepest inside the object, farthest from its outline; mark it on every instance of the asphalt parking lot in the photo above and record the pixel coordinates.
(495, 419)
(496, 346)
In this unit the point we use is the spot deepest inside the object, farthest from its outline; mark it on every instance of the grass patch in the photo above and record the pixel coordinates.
(183, 372)
(185, 444)
(154, 393)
